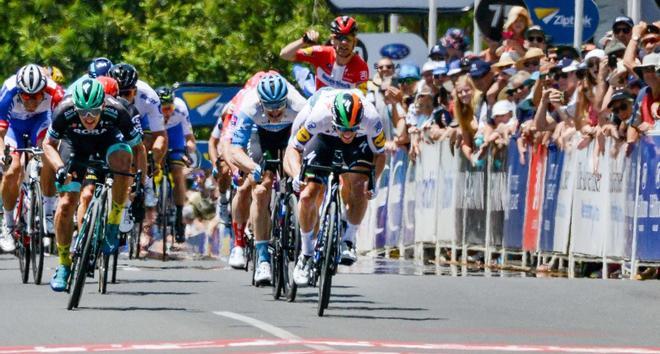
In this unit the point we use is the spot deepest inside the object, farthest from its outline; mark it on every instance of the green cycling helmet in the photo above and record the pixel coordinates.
(88, 94)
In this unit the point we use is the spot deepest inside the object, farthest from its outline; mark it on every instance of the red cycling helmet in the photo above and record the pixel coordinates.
(110, 86)
(344, 25)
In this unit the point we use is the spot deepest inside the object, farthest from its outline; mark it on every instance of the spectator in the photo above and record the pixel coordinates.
(466, 102)
(455, 43)
(513, 31)
(427, 75)
(621, 107)
(438, 53)
(645, 112)
(408, 78)
(504, 70)
(644, 40)
(535, 38)
(419, 118)
(454, 71)
(531, 62)
(622, 29)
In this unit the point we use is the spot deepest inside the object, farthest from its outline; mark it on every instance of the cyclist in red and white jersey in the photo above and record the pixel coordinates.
(336, 66)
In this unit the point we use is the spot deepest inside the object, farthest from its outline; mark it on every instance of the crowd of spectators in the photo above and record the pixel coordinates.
(524, 87)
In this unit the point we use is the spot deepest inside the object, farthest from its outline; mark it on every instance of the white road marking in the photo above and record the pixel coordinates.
(268, 328)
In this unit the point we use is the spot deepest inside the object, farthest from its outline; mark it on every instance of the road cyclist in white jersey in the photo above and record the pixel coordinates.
(270, 107)
(180, 143)
(341, 122)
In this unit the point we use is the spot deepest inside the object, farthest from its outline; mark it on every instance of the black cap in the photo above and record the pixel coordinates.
(438, 49)
(534, 29)
(619, 95)
(623, 19)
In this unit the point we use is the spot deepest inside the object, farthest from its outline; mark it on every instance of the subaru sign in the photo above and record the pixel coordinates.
(396, 51)
(374, 46)
(557, 19)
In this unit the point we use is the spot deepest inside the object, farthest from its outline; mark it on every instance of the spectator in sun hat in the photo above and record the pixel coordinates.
(645, 40)
(622, 29)
(620, 106)
(535, 38)
(615, 47)
(531, 62)
(645, 112)
(504, 69)
(482, 75)
(513, 31)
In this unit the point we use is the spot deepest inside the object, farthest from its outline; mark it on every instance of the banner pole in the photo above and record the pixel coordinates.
(433, 23)
(633, 257)
(579, 23)
(477, 33)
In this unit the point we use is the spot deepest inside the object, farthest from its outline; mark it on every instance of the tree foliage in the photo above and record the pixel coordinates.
(168, 41)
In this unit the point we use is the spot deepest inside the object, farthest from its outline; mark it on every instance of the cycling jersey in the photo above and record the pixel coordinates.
(307, 109)
(180, 116)
(115, 122)
(178, 126)
(251, 113)
(11, 106)
(148, 103)
(355, 74)
(34, 124)
(320, 122)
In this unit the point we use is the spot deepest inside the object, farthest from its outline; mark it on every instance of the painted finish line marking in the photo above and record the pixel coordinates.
(361, 346)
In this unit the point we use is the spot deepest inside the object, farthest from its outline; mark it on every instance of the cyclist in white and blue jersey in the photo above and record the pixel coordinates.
(271, 107)
(181, 142)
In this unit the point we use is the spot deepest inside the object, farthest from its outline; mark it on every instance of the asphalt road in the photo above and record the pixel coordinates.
(202, 306)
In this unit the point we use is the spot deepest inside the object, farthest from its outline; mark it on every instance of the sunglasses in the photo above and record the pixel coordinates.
(386, 67)
(652, 40)
(618, 30)
(39, 96)
(619, 108)
(561, 76)
(344, 38)
(516, 89)
(89, 113)
(347, 130)
(529, 64)
(537, 39)
(167, 108)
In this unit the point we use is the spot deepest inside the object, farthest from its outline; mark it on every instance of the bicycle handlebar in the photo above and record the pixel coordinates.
(339, 169)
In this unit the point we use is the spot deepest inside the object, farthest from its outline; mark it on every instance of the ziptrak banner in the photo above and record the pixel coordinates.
(205, 101)
(514, 211)
(557, 18)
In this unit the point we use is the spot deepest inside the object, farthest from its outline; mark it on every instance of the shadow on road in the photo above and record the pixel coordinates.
(135, 308)
(400, 318)
(143, 293)
(150, 281)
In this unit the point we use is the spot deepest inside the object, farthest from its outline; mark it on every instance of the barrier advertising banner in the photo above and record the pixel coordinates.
(534, 200)
(409, 206)
(205, 101)
(395, 199)
(426, 195)
(446, 211)
(554, 166)
(648, 211)
(381, 208)
(514, 212)
(591, 204)
(562, 217)
(619, 173)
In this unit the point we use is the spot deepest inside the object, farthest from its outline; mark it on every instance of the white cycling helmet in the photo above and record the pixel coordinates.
(30, 79)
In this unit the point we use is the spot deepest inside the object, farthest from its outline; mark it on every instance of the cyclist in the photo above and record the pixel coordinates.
(88, 123)
(271, 107)
(26, 103)
(181, 141)
(146, 100)
(344, 122)
(336, 66)
(221, 170)
(97, 67)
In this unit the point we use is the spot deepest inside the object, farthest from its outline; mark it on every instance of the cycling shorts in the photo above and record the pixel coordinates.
(324, 149)
(268, 142)
(176, 142)
(36, 128)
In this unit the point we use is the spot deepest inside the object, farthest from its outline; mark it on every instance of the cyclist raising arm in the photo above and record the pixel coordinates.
(342, 122)
(271, 107)
(336, 66)
(88, 124)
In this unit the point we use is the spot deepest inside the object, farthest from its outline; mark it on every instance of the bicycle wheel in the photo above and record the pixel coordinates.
(164, 213)
(36, 220)
(104, 261)
(82, 255)
(327, 260)
(23, 254)
(277, 257)
(115, 256)
(291, 247)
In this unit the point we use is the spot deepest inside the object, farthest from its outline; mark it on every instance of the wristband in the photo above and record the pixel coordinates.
(306, 39)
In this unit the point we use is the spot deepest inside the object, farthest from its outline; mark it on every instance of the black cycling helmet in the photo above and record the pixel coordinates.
(165, 94)
(125, 74)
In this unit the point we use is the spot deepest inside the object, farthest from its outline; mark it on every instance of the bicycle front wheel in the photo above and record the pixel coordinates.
(23, 254)
(327, 260)
(291, 247)
(164, 213)
(37, 220)
(82, 256)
